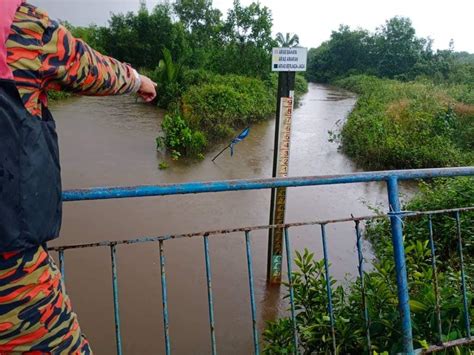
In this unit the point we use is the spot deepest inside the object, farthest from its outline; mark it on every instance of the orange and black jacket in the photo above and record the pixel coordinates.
(42, 55)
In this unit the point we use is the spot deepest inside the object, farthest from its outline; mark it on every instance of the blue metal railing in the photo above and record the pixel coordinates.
(395, 215)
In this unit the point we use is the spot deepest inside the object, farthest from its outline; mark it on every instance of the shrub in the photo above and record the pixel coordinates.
(168, 75)
(439, 195)
(313, 322)
(301, 86)
(407, 125)
(193, 77)
(226, 102)
(181, 139)
(380, 284)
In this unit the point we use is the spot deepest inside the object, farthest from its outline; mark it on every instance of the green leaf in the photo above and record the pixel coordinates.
(417, 306)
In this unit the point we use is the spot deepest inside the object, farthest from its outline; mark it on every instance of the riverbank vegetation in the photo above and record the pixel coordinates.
(415, 109)
(416, 124)
(213, 72)
(415, 106)
(313, 322)
(210, 107)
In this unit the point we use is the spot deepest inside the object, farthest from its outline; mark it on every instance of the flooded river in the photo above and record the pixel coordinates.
(111, 141)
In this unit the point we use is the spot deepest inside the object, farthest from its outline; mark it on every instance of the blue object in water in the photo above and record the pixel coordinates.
(238, 139)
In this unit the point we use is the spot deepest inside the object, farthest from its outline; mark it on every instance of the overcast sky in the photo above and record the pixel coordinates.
(313, 20)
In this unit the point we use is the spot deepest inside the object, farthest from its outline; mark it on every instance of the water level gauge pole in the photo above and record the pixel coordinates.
(284, 110)
(285, 61)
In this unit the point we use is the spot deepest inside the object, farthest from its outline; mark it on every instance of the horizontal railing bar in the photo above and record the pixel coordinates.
(447, 345)
(251, 228)
(101, 193)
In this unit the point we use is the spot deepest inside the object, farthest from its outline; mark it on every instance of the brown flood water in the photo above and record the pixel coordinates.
(111, 141)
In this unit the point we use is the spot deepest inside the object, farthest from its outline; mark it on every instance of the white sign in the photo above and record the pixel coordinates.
(289, 59)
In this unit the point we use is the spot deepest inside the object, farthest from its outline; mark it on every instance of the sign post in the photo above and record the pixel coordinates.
(286, 61)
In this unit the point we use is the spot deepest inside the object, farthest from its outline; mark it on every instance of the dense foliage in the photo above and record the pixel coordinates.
(226, 102)
(213, 72)
(195, 33)
(409, 125)
(313, 321)
(169, 76)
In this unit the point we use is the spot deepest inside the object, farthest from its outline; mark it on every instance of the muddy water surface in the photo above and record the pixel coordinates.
(111, 141)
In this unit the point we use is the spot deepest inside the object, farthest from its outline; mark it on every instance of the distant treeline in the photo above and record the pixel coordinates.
(200, 37)
(393, 51)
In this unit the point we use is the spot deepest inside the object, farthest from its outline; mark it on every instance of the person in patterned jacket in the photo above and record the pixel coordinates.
(38, 54)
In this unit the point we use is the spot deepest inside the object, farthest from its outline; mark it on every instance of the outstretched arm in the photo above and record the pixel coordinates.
(70, 64)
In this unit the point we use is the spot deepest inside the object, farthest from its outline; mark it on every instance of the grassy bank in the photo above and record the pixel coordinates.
(408, 124)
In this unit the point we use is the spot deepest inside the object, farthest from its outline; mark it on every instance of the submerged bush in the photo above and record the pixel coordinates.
(179, 138)
(217, 105)
(407, 125)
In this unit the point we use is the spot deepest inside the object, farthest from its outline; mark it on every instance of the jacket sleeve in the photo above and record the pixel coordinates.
(70, 64)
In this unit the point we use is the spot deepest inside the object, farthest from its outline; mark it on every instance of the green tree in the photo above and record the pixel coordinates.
(287, 40)
(92, 35)
(347, 52)
(249, 25)
(247, 36)
(139, 39)
(197, 16)
(397, 47)
(393, 51)
(202, 24)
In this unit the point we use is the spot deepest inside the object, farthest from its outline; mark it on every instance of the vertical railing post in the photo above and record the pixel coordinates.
(362, 285)
(400, 264)
(209, 295)
(118, 336)
(164, 298)
(292, 294)
(328, 288)
(253, 308)
(467, 322)
(435, 280)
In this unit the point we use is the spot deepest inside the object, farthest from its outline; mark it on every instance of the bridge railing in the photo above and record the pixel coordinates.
(395, 215)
